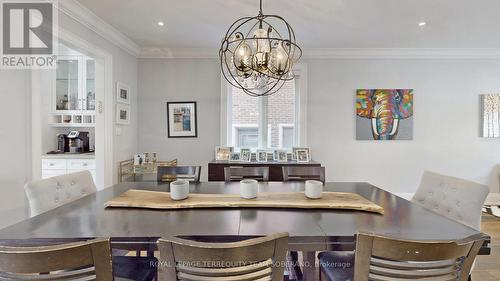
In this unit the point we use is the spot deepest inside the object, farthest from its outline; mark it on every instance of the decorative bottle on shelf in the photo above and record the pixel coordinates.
(60, 105)
(65, 103)
(90, 101)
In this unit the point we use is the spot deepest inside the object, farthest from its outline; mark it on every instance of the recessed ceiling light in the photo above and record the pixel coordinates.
(422, 23)
(160, 23)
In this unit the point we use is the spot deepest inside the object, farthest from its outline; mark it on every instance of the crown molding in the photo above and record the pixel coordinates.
(342, 53)
(402, 53)
(81, 14)
(179, 53)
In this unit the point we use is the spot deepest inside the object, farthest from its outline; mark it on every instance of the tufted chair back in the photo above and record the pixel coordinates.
(47, 194)
(455, 198)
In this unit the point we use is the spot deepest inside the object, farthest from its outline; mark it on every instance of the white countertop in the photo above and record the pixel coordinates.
(90, 155)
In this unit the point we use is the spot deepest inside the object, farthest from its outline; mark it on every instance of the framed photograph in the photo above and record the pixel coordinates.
(139, 159)
(181, 119)
(302, 155)
(234, 157)
(280, 155)
(246, 155)
(270, 156)
(122, 114)
(294, 152)
(261, 156)
(223, 153)
(122, 93)
(253, 157)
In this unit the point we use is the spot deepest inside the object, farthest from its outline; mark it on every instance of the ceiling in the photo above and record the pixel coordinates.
(317, 23)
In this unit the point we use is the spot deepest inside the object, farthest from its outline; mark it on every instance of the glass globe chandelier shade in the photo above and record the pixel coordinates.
(257, 54)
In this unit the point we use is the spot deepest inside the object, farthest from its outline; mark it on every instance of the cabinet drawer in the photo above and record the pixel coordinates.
(81, 164)
(53, 164)
(52, 173)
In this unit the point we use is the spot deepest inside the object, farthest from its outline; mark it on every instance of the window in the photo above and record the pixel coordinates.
(280, 111)
(265, 122)
(246, 136)
(286, 135)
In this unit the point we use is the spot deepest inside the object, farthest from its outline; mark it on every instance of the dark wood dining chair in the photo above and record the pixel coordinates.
(303, 173)
(168, 174)
(90, 260)
(254, 259)
(239, 173)
(385, 258)
(87, 260)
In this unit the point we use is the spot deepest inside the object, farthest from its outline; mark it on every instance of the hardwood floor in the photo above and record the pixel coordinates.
(488, 267)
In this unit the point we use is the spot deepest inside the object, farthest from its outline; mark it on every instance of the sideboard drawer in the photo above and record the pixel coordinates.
(53, 164)
(81, 164)
(52, 173)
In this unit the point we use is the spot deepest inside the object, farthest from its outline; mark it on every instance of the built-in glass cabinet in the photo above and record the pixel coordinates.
(74, 96)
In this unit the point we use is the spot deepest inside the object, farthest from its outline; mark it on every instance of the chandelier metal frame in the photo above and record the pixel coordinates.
(269, 76)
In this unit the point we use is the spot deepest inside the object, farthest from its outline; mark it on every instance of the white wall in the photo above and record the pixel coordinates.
(15, 129)
(179, 80)
(446, 117)
(125, 71)
(446, 121)
(15, 136)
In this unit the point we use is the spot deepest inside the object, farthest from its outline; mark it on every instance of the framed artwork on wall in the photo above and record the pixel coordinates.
(181, 119)
(122, 93)
(384, 114)
(122, 114)
(490, 116)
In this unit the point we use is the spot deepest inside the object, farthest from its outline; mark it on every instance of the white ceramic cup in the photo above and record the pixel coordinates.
(179, 189)
(249, 188)
(314, 189)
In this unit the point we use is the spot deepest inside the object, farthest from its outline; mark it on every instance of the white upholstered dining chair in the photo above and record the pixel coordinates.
(458, 199)
(47, 194)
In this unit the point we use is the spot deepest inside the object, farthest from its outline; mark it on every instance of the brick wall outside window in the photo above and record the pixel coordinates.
(281, 109)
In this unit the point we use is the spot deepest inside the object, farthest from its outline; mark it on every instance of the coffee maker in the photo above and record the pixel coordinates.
(78, 142)
(62, 143)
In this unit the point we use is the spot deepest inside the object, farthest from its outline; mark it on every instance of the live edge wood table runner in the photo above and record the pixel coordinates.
(161, 200)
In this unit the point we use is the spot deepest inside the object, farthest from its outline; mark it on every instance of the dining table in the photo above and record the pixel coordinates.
(310, 230)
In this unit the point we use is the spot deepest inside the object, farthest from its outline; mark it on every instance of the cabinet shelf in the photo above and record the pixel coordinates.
(72, 120)
(72, 125)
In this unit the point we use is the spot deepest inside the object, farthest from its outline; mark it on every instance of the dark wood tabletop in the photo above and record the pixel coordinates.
(315, 229)
(310, 230)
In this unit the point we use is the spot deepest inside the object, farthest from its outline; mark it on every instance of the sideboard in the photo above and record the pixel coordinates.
(216, 168)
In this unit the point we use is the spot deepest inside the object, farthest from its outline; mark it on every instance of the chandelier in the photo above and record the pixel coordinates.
(257, 54)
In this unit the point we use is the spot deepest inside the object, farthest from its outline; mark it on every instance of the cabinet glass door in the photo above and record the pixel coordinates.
(67, 85)
(89, 94)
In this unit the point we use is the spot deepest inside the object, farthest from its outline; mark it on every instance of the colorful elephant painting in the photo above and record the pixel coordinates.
(385, 108)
